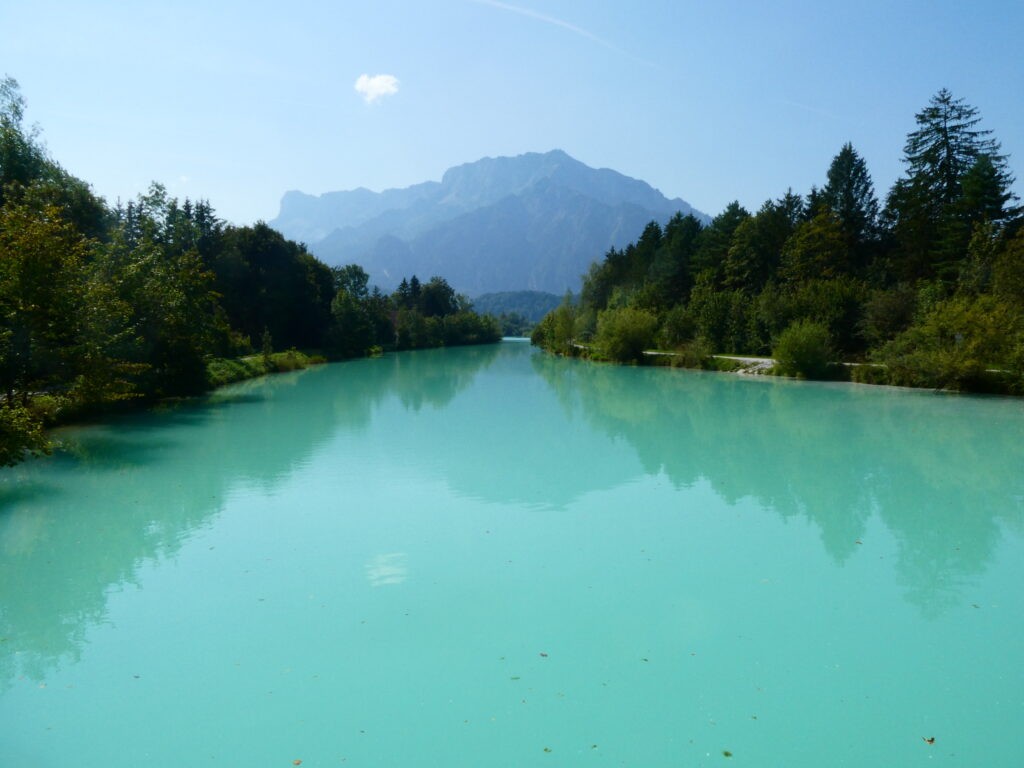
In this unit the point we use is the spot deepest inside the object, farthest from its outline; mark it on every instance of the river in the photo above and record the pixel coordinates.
(488, 556)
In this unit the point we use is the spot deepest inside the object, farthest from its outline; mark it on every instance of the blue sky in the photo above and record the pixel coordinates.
(238, 102)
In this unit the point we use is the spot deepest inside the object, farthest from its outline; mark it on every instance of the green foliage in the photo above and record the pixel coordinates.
(437, 298)
(716, 239)
(695, 354)
(352, 279)
(670, 275)
(221, 371)
(887, 313)
(753, 255)
(514, 324)
(818, 249)
(623, 334)
(955, 344)
(530, 305)
(850, 195)
(804, 349)
(677, 329)
(1008, 272)
(557, 331)
(709, 310)
(21, 434)
(955, 178)
(353, 333)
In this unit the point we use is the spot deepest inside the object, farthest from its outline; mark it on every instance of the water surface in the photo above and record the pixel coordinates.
(491, 557)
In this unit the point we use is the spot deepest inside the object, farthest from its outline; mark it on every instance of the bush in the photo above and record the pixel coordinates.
(623, 334)
(677, 329)
(555, 332)
(888, 313)
(804, 349)
(21, 435)
(696, 354)
(954, 344)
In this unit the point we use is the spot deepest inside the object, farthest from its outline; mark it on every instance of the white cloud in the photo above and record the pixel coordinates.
(372, 87)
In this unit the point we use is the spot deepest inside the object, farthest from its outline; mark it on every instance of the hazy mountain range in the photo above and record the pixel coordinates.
(535, 221)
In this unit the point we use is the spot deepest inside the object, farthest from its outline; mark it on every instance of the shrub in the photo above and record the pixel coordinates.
(623, 334)
(21, 435)
(804, 349)
(954, 344)
(696, 354)
(888, 313)
(677, 329)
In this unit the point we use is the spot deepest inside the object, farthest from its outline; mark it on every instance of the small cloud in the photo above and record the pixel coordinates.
(372, 87)
(183, 179)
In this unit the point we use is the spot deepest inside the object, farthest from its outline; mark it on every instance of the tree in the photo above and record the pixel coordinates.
(352, 279)
(757, 241)
(985, 199)
(437, 298)
(22, 159)
(945, 145)
(851, 195)
(817, 249)
(923, 207)
(715, 239)
(670, 274)
(354, 330)
(42, 259)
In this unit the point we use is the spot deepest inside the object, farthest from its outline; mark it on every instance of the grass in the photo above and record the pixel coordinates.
(226, 371)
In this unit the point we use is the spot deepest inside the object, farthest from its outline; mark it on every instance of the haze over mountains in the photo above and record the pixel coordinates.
(535, 221)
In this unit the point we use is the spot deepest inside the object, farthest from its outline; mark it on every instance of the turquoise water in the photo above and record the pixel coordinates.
(491, 557)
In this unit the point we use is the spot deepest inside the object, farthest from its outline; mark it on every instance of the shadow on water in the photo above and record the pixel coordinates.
(135, 487)
(942, 473)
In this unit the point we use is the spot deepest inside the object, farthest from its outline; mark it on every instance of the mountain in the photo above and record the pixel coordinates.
(531, 222)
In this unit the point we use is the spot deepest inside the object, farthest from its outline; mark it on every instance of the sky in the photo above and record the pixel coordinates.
(239, 102)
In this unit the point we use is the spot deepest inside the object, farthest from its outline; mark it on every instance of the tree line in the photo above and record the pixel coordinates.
(927, 288)
(101, 304)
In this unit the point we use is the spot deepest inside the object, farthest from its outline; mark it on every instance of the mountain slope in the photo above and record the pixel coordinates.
(535, 221)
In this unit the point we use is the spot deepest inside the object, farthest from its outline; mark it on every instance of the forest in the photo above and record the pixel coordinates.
(923, 290)
(101, 305)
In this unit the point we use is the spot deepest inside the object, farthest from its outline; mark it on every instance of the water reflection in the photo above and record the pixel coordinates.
(133, 489)
(941, 472)
(387, 569)
(505, 425)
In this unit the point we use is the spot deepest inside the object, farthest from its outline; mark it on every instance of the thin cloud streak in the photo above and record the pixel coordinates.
(549, 20)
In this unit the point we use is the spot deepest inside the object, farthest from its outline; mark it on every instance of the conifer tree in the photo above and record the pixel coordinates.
(851, 195)
(922, 208)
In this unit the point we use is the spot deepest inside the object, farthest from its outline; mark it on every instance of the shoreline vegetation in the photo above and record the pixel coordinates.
(104, 307)
(224, 371)
(925, 290)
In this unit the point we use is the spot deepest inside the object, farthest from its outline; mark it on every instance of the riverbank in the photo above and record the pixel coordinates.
(991, 381)
(222, 371)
